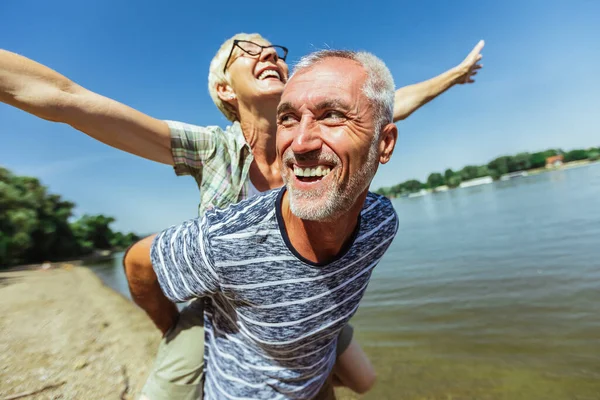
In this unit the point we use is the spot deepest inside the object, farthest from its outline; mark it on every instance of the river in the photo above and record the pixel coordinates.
(488, 292)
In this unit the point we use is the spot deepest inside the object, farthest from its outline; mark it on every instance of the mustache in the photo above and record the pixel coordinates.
(315, 156)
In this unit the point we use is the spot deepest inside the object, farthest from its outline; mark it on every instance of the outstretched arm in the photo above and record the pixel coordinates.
(39, 90)
(409, 98)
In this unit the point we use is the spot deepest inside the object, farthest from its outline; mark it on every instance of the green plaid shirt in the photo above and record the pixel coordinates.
(218, 160)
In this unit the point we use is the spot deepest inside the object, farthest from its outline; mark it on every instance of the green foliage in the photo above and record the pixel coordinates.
(448, 174)
(495, 168)
(576, 155)
(454, 181)
(521, 162)
(435, 180)
(35, 225)
(501, 165)
(538, 160)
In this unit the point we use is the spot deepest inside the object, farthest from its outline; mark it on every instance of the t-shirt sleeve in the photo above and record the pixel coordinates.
(182, 259)
(191, 147)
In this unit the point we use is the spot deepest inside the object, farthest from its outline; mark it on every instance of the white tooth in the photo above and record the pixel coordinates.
(327, 170)
(298, 171)
(306, 171)
(318, 172)
(267, 73)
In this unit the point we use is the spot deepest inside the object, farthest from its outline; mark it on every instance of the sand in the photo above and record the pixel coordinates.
(64, 334)
(64, 327)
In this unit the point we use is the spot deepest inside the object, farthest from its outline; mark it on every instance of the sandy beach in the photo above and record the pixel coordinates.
(64, 328)
(64, 335)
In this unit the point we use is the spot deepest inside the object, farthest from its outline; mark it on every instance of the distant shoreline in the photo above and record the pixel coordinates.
(525, 173)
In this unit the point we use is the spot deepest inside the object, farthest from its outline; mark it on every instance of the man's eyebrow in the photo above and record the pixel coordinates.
(332, 104)
(284, 107)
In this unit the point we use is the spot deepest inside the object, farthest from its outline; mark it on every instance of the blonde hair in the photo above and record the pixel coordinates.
(216, 75)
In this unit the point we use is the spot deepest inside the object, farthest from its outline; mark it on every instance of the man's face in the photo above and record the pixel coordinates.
(325, 130)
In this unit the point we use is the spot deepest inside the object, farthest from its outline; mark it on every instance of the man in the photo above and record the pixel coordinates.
(285, 270)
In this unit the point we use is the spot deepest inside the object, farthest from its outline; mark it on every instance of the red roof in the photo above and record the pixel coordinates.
(553, 159)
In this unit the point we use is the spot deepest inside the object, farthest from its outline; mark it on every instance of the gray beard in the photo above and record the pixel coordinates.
(339, 199)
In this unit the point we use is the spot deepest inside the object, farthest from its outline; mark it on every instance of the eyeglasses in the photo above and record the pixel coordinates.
(255, 49)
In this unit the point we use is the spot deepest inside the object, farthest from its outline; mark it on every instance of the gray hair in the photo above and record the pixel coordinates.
(378, 88)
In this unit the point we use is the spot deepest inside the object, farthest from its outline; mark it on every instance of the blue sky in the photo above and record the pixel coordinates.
(538, 88)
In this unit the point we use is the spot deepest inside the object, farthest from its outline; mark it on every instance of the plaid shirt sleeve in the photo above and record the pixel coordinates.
(191, 147)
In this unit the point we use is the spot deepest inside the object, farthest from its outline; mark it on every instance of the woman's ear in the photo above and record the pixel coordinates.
(225, 92)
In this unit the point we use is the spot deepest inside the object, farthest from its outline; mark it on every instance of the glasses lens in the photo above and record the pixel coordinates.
(251, 48)
(281, 53)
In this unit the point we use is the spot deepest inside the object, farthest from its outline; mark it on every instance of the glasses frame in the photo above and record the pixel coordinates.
(236, 43)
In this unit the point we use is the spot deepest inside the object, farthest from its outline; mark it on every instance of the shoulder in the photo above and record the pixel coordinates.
(378, 212)
(182, 128)
(247, 214)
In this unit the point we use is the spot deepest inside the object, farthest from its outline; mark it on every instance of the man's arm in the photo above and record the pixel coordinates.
(173, 266)
(409, 98)
(39, 90)
(144, 287)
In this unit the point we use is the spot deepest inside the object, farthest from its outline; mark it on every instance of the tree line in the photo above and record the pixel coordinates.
(38, 226)
(495, 169)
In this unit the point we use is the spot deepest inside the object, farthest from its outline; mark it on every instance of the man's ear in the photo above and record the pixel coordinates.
(225, 93)
(387, 142)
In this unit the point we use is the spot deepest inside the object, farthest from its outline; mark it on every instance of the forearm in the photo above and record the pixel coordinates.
(32, 87)
(144, 287)
(45, 93)
(410, 98)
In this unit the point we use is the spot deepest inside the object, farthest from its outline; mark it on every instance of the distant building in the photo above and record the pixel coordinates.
(513, 175)
(554, 161)
(420, 193)
(476, 182)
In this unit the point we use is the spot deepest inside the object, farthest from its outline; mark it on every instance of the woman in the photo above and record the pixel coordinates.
(246, 79)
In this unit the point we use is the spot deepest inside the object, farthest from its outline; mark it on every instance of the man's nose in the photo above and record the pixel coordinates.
(307, 137)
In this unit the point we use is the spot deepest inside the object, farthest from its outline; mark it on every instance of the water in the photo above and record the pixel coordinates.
(489, 292)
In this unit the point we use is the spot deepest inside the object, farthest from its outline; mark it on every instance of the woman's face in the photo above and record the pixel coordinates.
(256, 76)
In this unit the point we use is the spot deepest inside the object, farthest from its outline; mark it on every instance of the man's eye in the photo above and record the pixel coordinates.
(286, 119)
(334, 116)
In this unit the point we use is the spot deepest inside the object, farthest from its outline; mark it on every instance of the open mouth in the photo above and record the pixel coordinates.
(269, 74)
(311, 174)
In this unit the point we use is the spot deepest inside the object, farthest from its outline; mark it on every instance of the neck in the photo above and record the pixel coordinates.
(321, 241)
(259, 125)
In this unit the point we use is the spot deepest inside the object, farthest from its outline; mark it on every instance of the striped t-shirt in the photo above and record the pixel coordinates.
(272, 324)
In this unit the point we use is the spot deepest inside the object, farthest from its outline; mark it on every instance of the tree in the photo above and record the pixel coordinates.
(472, 172)
(36, 226)
(520, 162)
(576, 155)
(454, 181)
(538, 160)
(594, 155)
(448, 174)
(413, 186)
(435, 179)
(502, 165)
(95, 230)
